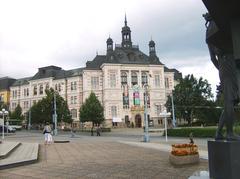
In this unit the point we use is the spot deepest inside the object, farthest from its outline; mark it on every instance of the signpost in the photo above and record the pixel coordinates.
(3, 113)
(165, 115)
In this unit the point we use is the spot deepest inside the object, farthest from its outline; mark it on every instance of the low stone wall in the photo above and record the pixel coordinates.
(185, 159)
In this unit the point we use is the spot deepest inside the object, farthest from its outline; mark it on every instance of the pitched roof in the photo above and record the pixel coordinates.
(177, 74)
(49, 71)
(6, 82)
(74, 72)
(122, 55)
(21, 81)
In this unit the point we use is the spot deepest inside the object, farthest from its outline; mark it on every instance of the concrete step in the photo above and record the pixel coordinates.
(7, 147)
(24, 154)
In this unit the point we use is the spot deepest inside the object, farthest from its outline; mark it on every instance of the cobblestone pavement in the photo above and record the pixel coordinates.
(98, 158)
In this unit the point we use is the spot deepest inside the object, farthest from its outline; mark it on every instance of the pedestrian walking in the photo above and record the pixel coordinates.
(47, 133)
(92, 131)
(98, 130)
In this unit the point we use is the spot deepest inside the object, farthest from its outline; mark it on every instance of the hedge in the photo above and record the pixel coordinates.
(89, 130)
(197, 132)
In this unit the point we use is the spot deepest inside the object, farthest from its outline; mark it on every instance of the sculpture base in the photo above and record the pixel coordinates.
(224, 159)
(183, 160)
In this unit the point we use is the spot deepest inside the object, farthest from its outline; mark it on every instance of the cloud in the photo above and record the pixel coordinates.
(67, 33)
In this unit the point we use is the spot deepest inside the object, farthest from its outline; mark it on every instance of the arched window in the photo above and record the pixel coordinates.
(74, 113)
(134, 78)
(47, 86)
(41, 89)
(123, 78)
(35, 90)
(144, 78)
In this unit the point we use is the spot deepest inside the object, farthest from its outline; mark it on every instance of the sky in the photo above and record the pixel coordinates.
(67, 33)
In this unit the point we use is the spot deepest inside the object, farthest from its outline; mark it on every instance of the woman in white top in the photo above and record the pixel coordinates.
(47, 133)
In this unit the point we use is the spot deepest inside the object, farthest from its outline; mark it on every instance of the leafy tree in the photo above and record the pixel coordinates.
(42, 111)
(191, 96)
(4, 105)
(92, 110)
(17, 113)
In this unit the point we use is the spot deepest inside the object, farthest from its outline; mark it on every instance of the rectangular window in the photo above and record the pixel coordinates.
(157, 80)
(59, 87)
(35, 90)
(1, 98)
(25, 104)
(167, 83)
(94, 82)
(112, 80)
(14, 105)
(26, 92)
(41, 89)
(158, 109)
(73, 86)
(114, 111)
(71, 99)
(75, 100)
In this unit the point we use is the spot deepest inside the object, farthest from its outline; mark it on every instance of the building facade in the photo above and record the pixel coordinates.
(124, 80)
(5, 84)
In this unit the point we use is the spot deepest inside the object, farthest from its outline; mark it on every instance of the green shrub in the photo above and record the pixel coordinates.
(94, 130)
(197, 132)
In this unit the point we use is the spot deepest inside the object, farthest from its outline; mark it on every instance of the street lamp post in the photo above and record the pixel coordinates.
(173, 113)
(29, 117)
(55, 114)
(165, 114)
(146, 135)
(3, 113)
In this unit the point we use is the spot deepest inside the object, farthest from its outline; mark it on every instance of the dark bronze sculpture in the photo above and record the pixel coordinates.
(223, 39)
(223, 59)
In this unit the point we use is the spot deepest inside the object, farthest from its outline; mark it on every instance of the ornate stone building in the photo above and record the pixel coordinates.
(121, 78)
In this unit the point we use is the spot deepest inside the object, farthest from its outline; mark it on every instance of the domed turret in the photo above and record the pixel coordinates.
(109, 44)
(152, 51)
(126, 35)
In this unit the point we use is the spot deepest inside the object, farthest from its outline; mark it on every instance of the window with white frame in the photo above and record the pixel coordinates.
(47, 86)
(158, 109)
(59, 87)
(94, 82)
(112, 80)
(114, 111)
(134, 78)
(167, 83)
(1, 98)
(73, 86)
(74, 113)
(41, 89)
(123, 78)
(75, 100)
(25, 104)
(14, 105)
(35, 90)
(14, 94)
(157, 80)
(144, 78)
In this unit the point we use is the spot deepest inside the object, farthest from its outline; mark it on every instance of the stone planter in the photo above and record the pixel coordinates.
(185, 159)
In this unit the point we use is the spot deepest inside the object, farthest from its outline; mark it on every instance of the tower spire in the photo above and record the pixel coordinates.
(125, 21)
(126, 35)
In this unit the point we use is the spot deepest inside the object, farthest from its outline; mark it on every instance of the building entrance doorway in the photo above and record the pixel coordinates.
(138, 121)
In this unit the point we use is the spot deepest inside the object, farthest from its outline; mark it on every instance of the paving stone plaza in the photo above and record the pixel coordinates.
(108, 156)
